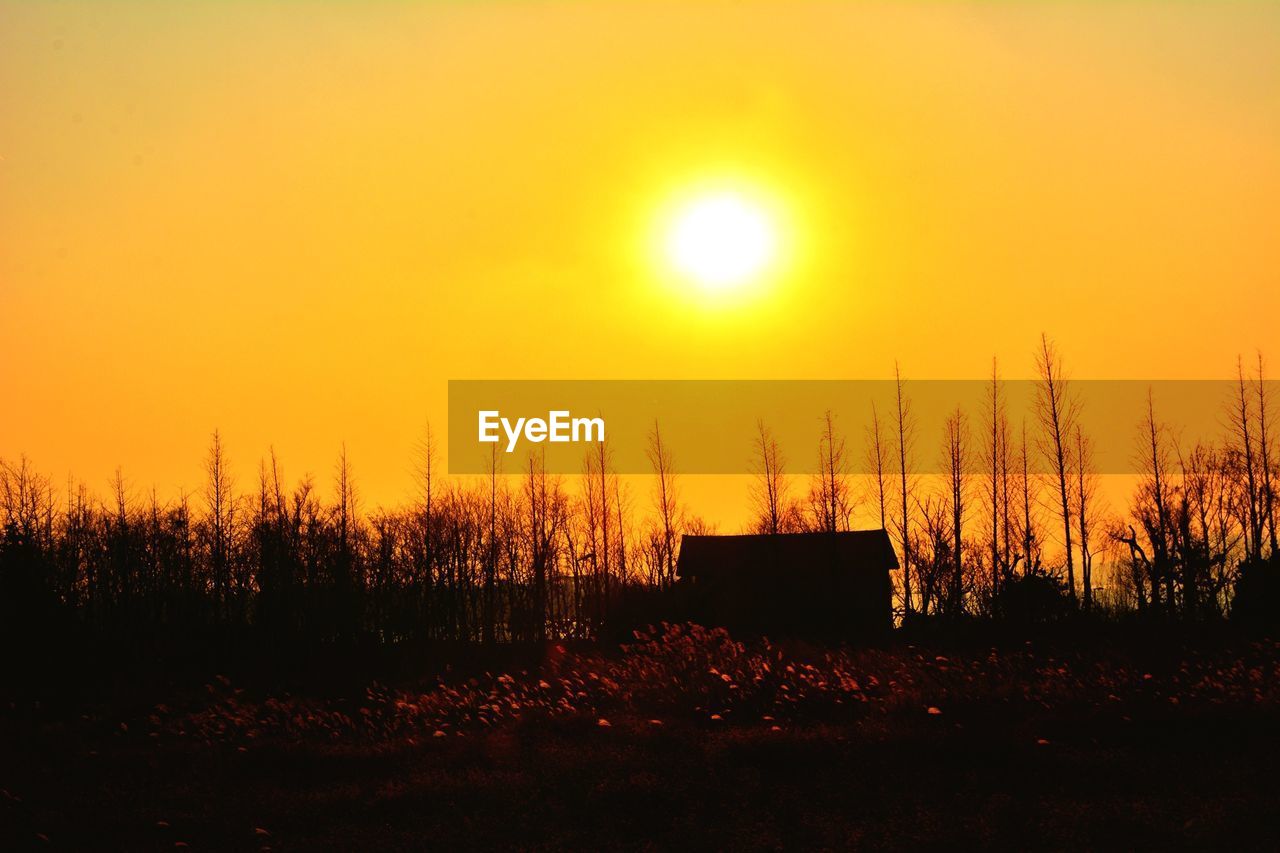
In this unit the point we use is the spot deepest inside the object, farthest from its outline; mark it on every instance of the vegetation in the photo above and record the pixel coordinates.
(524, 557)
(684, 737)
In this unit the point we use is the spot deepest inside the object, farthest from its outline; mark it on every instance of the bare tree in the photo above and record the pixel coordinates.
(1086, 490)
(1205, 530)
(1027, 485)
(932, 544)
(906, 441)
(956, 453)
(597, 485)
(426, 473)
(348, 500)
(830, 499)
(995, 458)
(1241, 420)
(1152, 504)
(1264, 459)
(1057, 411)
(877, 461)
(769, 488)
(622, 505)
(22, 497)
(488, 625)
(346, 570)
(666, 501)
(220, 499)
(547, 521)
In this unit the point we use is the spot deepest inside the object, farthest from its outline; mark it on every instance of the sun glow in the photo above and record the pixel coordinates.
(721, 240)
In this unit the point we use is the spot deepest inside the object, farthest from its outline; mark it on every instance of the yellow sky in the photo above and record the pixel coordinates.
(296, 221)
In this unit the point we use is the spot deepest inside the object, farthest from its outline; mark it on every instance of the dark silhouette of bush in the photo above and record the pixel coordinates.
(1032, 599)
(1256, 604)
(25, 598)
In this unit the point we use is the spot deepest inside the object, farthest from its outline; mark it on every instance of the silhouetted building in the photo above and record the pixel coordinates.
(831, 585)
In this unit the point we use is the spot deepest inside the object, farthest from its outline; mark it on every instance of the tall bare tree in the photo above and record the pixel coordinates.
(1264, 460)
(598, 482)
(1085, 494)
(1027, 485)
(995, 459)
(220, 499)
(830, 498)
(956, 460)
(1242, 425)
(769, 487)
(666, 500)
(427, 464)
(347, 580)
(877, 461)
(906, 441)
(489, 623)
(1153, 504)
(1057, 410)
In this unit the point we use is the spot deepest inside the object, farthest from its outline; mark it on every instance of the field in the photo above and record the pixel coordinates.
(684, 738)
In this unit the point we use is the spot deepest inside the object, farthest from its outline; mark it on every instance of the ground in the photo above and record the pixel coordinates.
(688, 740)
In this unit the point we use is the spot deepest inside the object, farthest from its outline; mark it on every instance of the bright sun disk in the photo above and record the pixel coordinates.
(722, 240)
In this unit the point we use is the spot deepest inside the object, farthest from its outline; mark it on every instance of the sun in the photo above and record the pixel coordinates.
(721, 240)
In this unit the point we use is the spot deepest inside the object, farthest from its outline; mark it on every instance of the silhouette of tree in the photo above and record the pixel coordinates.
(830, 498)
(906, 440)
(769, 488)
(1057, 409)
(956, 461)
(666, 499)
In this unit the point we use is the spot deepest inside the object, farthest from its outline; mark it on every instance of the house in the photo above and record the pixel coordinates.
(828, 585)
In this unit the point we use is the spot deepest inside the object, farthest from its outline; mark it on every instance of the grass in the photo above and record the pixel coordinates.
(684, 739)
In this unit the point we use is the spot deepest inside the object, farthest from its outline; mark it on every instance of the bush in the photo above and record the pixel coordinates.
(1256, 603)
(1032, 599)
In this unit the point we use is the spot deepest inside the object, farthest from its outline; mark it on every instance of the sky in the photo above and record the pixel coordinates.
(294, 222)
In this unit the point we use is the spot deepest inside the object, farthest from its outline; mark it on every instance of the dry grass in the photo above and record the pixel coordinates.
(687, 738)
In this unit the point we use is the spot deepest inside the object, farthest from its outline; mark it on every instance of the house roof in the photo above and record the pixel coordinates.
(859, 550)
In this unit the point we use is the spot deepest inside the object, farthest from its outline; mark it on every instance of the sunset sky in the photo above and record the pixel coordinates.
(295, 222)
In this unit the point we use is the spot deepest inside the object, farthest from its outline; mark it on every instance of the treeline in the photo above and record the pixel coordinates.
(990, 536)
(522, 556)
(508, 557)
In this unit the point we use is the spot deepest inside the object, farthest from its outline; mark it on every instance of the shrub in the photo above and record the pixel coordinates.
(1257, 594)
(1032, 599)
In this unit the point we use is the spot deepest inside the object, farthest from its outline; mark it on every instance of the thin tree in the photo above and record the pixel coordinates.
(906, 439)
(219, 497)
(603, 555)
(1240, 421)
(877, 460)
(1264, 459)
(622, 502)
(345, 568)
(995, 453)
(595, 501)
(829, 496)
(768, 490)
(1057, 411)
(956, 460)
(426, 469)
(1030, 541)
(1156, 489)
(489, 628)
(1086, 488)
(666, 501)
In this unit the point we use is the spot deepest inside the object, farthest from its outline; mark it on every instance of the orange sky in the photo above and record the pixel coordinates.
(296, 221)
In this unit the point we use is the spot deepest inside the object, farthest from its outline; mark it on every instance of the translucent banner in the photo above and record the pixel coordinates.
(714, 426)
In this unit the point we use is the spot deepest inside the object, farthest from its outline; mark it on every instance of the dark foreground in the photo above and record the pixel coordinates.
(687, 740)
